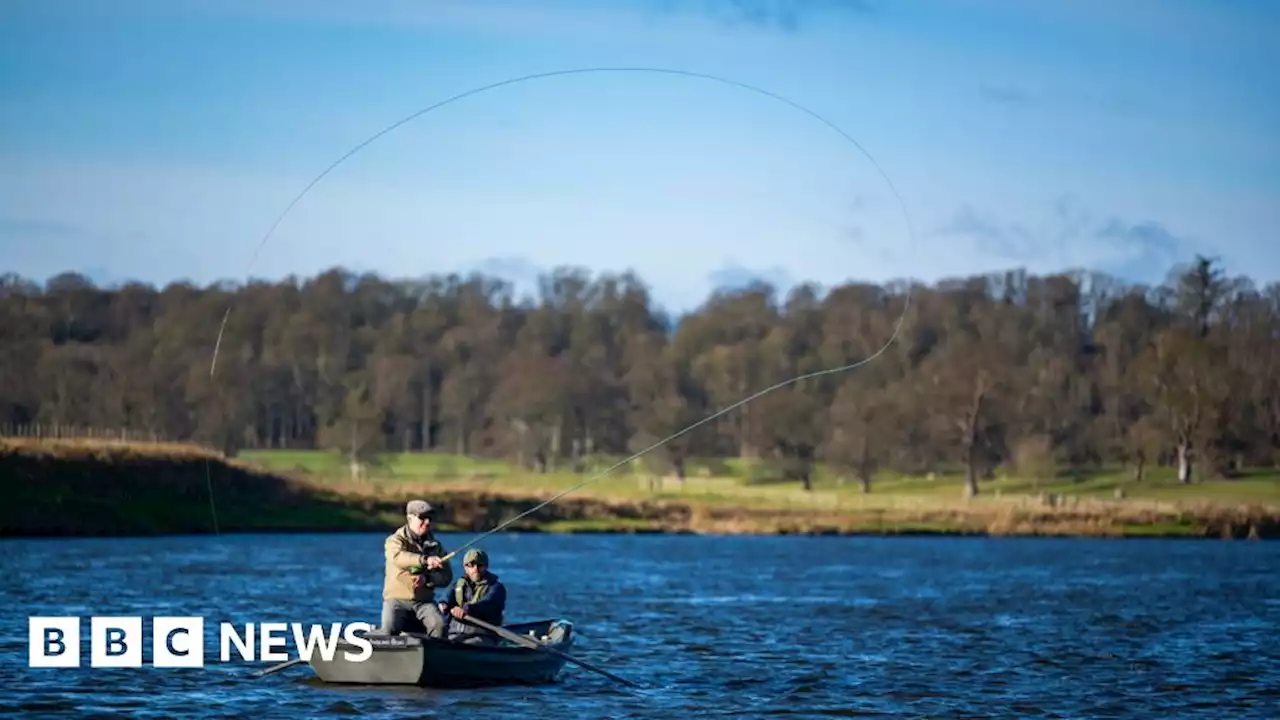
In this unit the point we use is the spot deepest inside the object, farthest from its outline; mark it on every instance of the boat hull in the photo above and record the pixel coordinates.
(415, 659)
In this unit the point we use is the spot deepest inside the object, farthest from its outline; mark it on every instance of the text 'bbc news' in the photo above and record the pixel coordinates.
(179, 642)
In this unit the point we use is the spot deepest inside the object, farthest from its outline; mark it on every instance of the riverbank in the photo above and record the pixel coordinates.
(98, 488)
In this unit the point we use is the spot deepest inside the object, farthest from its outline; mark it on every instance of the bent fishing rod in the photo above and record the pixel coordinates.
(848, 139)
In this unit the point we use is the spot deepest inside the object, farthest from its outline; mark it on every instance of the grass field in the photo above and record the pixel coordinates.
(733, 482)
(75, 487)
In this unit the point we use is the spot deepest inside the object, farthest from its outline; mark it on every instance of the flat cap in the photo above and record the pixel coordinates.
(478, 557)
(419, 507)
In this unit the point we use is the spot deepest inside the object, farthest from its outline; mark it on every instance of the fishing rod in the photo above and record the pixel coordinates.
(695, 75)
(581, 71)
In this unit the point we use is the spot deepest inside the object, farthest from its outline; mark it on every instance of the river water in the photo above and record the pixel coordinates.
(712, 626)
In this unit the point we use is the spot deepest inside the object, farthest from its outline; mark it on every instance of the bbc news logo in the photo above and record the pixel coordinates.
(179, 642)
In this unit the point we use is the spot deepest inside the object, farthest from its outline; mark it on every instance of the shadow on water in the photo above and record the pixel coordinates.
(734, 626)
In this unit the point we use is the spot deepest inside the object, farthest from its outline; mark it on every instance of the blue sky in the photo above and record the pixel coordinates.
(159, 140)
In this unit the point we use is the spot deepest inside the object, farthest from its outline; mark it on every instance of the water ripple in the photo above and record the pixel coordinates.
(741, 627)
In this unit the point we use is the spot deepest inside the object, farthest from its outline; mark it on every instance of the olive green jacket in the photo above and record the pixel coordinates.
(406, 556)
(486, 599)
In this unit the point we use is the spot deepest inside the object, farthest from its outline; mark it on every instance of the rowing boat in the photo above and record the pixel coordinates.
(415, 659)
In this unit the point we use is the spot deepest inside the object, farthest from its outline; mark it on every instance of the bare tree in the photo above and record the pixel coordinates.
(1012, 370)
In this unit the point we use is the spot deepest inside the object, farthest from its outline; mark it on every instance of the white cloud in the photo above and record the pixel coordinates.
(1069, 236)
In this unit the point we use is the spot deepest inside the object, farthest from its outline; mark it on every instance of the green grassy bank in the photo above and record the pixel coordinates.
(74, 488)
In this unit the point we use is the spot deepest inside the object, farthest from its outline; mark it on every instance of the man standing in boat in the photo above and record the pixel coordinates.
(479, 594)
(414, 570)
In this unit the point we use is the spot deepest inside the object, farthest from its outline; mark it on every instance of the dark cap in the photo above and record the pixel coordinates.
(478, 557)
(419, 507)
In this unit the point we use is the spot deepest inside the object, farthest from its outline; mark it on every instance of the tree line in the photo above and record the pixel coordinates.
(1009, 370)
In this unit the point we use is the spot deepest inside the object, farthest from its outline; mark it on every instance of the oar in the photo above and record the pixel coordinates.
(535, 645)
(277, 668)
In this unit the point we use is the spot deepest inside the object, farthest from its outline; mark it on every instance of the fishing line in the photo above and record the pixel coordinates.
(582, 71)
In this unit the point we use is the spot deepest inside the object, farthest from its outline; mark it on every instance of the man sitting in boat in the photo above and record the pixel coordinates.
(478, 594)
(414, 570)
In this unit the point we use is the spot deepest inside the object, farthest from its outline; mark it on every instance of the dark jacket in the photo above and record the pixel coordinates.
(406, 555)
(486, 599)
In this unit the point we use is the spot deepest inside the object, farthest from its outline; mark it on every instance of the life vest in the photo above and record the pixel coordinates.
(477, 592)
